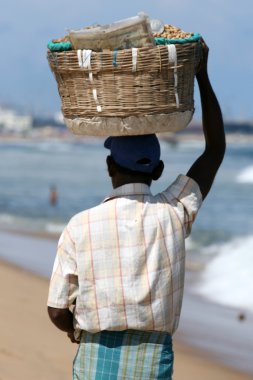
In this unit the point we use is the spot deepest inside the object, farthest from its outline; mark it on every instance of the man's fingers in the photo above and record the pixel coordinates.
(204, 45)
(72, 337)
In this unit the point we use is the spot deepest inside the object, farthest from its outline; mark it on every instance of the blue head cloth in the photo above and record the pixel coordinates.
(137, 153)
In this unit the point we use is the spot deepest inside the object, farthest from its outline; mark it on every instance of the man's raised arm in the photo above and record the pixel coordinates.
(204, 169)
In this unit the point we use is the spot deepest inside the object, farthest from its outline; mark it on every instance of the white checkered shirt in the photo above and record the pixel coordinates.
(123, 262)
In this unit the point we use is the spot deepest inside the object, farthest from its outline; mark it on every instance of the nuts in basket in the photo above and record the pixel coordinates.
(172, 32)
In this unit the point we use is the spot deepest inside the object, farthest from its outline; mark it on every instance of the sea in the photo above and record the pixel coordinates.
(220, 247)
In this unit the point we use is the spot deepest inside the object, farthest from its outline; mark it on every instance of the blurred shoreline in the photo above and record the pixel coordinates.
(191, 133)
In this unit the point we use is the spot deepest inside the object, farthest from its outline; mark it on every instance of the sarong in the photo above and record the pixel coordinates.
(129, 354)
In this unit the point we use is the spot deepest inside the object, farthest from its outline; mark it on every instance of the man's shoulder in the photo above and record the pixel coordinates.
(83, 216)
(183, 185)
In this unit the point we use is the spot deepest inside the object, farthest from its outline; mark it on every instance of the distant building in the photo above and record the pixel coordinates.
(239, 127)
(10, 121)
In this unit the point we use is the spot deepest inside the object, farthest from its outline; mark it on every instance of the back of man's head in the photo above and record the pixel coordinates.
(136, 153)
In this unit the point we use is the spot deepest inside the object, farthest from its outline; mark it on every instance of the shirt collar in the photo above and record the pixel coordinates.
(129, 189)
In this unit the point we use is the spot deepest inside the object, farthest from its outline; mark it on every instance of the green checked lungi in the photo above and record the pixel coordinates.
(129, 354)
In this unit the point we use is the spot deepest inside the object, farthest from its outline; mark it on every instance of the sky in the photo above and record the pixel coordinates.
(26, 26)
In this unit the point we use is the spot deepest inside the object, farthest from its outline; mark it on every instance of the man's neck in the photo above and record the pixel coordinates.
(117, 182)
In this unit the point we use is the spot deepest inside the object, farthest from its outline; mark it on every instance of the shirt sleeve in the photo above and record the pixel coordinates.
(63, 286)
(185, 195)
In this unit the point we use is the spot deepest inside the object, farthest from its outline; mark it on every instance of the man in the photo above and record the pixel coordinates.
(120, 265)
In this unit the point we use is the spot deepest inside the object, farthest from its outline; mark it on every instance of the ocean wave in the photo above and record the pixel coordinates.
(246, 175)
(54, 228)
(227, 278)
(21, 223)
(7, 219)
(54, 146)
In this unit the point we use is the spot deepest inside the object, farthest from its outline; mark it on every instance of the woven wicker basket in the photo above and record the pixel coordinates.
(132, 91)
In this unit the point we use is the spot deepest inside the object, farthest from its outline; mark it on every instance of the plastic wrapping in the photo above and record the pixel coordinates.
(157, 26)
(132, 32)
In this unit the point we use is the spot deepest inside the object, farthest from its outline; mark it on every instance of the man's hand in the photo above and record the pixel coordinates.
(71, 336)
(61, 318)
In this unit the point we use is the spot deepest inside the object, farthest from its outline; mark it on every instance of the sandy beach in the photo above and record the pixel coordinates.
(32, 348)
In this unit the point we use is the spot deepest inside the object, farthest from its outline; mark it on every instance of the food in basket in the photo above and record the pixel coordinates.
(172, 32)
(62, 39)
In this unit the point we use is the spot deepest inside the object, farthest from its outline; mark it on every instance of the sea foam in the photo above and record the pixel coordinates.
(54, 228)
(228, 279)
(246, 175)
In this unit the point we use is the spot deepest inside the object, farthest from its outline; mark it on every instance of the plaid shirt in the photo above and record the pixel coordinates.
(123, 262)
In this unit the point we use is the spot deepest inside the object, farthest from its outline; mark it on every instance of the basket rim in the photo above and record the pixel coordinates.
(167, 41)
(67, 46)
